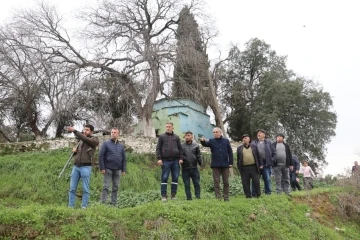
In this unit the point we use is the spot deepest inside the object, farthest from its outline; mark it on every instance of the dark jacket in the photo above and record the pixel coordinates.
(270, 152)
(169, 147)
(84, 155)
(289, 160)
(221, 152)
(256, 154)
(192, 155)
(296, 163)
(112, 156)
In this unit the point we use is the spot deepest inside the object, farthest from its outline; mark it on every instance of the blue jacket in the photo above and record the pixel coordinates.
(296, 163)
(221, 152)
(270, 152)
(112, 156)
(256, 154)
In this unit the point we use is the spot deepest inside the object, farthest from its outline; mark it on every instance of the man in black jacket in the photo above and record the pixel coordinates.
(282, 164)
(169, 152)
(192, 157)
(249, 165)
(294, 174)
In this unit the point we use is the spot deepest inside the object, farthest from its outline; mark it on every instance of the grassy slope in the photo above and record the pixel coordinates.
(33, 205)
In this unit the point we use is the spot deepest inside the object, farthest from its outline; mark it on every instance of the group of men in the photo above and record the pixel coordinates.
(255, 159)
(112, 164)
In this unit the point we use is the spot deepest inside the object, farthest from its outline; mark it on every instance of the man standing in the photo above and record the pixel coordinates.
(355, 169)
(268, 156)
(282, 164)
(112, 163)
(169, 152)
(221, 161)
(294, 174)
(249, 165)
(192, 157)
(84, 155)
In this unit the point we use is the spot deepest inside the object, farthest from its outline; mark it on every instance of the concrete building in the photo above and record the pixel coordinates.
(185, 114)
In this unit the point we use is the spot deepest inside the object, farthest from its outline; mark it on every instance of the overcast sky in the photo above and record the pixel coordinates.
(321, 39)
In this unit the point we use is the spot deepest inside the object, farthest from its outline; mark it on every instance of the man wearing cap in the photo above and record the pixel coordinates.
(249, 165)
(282, 164)
(268, 156)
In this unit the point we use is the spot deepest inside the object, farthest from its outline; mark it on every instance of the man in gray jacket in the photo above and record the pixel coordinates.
(191, 158)
(112, 163)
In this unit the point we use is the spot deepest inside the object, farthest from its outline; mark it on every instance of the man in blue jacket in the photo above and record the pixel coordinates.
(221, 161)
(294, 174)
(112, 163)
(268, 156)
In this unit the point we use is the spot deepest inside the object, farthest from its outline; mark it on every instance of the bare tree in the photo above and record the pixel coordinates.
(132, 37)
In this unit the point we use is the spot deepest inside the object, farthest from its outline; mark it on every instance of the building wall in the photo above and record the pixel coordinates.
(185, 114)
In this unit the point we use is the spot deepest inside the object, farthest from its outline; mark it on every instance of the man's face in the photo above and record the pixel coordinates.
(260, 135)
(87, 131)
(188, 137)
(356, 163)
(169, 128)
(115, 134)
(279, 139)
(246, 140)
(217, 133)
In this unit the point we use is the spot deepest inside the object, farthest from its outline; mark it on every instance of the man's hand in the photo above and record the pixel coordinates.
(202, 139)
(181, 161)
(261, 167)
(230, 166)
(291, 168)
(159, 162)
(102, 171)
(123, 173)
(74, 150)
(297, 171)
(70, 129)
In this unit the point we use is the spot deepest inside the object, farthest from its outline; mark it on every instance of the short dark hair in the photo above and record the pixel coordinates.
(170, 123)
(188, 132)
(115, 128)
(89, 126)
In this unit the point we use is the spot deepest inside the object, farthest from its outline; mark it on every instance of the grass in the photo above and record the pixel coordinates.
(33, 206)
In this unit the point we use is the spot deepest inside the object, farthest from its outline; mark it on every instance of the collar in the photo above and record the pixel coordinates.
(172, 133)
(115, 141)
(189, 143)
(246, 146)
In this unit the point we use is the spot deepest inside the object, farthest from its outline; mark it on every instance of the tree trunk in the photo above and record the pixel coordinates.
(6, 137)
(214, 104)
(145, 128)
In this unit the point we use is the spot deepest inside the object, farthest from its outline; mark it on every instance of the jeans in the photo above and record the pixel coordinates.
(294, 184)
(307, 183)
(194, 174)
(266, 173)
(84, 173)
(224, 173)
(247, 173)
(282, 178)
(174, 167)
(114, 177)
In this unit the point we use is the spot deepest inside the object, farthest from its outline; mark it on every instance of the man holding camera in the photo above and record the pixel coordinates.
(84, 157)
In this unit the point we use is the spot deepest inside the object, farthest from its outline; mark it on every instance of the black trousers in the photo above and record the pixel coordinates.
(250, 172)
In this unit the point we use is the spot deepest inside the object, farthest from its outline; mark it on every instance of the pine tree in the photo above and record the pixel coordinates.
(191, 67)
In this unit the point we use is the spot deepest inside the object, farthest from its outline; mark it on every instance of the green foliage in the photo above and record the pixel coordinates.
(33, 206)
(191, 67)
(261, 92)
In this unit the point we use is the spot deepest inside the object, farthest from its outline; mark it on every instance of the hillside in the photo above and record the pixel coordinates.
(33, 205)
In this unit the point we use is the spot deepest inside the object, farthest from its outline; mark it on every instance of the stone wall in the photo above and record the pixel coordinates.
(138, 144)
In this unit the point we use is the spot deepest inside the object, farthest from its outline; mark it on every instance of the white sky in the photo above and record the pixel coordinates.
(327, 49)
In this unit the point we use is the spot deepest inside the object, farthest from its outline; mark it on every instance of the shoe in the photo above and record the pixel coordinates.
(248, 196)
(164, 198)
(226, 199)
(173, 196)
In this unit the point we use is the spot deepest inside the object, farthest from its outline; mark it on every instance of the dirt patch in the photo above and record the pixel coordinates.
(322, 209)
